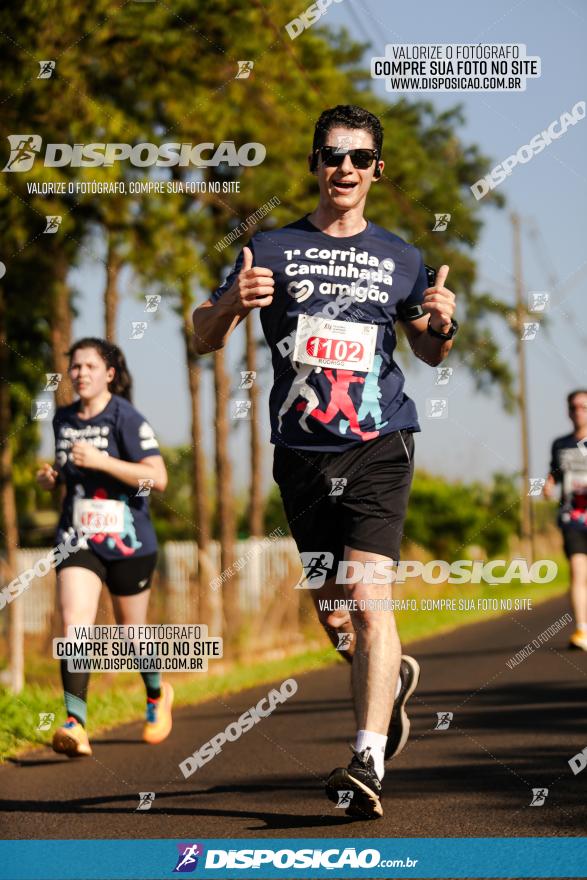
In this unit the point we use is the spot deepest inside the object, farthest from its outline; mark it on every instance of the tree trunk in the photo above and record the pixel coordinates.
(9, 516)
(209, 600)
(256, 499)
(60, 329)
(225, 504)
(113, 266)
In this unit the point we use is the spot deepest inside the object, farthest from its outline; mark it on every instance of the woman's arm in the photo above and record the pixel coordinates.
(129, 472)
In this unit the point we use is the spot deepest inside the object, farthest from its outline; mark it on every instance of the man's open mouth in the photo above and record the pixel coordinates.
(343, 186)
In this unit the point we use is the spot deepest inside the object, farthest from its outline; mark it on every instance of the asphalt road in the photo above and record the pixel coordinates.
(512, 730)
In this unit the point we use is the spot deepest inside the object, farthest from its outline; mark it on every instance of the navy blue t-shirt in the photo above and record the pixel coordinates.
(568, 466)
(336, 382)
(122, 432)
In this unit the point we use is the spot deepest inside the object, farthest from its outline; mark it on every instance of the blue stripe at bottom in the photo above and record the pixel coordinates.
(293, 858)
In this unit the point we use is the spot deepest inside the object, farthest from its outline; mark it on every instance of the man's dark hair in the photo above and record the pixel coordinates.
(348, 116)
(574, 394)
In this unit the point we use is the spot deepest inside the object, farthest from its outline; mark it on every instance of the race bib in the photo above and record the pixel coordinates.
(343, 345)
(97, 515)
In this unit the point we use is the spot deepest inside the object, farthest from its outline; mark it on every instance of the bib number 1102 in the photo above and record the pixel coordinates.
(336, 349)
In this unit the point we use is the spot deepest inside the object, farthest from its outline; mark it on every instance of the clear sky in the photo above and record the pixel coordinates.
(549, 192)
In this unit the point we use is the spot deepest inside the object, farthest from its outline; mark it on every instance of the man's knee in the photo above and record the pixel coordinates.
(369, 623)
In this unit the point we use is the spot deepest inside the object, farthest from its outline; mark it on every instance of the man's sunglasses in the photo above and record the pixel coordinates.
(361, 158)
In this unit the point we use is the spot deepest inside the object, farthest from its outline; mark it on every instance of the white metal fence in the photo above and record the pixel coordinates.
(263, 566)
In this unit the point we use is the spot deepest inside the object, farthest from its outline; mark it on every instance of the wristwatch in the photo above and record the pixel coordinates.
(438, 335)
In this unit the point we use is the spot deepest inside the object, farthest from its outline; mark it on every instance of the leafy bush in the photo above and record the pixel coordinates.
(444, 518)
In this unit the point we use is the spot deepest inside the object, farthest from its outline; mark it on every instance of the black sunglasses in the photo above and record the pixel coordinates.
(361, 158)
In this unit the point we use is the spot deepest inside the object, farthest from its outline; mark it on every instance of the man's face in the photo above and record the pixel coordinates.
(344, 186)
(578, 411)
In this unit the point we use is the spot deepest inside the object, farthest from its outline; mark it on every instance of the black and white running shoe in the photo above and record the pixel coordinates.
(357, 787)
(399, 725)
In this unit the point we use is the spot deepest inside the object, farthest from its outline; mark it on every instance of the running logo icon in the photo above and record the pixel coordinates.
(46, 719)
(146, 799)
(443, 375)
(53, 223)
(539, 795)
(244, 69)
(138, 329)
(338, 484)
(441, 222)
(53, 380)
(344, 641)
(437, 408)
(41, 410)
(187, 860)
(344, 142)
(538, 300)
(241, 409)
(153, 300)
(344, 799)
(444, 719)
(536, 486)
(23, 151)
(316, 567)
(46, 69)
(530, 330)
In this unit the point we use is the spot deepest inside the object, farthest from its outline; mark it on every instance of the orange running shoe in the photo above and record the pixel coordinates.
(72, 739)
(578, 640)
(158, 718)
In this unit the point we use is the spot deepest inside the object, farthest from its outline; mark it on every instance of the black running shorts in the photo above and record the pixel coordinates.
(123, 577)
(574, 540)
(366, 512)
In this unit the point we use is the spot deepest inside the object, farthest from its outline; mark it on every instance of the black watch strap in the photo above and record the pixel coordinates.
(438, 335)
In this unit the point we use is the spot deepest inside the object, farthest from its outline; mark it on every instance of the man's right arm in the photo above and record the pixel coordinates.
(251, 289)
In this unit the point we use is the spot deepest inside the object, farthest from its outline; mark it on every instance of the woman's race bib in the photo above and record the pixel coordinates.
(97, 515)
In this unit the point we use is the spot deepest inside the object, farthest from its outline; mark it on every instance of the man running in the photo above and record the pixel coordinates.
(303, 278)
(568, 466)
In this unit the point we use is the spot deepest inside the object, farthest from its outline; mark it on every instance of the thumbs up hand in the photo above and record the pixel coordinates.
(254, 287)
(439, 302)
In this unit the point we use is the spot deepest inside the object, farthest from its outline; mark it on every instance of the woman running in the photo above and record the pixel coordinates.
(107, 457)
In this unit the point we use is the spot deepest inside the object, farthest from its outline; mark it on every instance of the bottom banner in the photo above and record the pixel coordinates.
(304, 858)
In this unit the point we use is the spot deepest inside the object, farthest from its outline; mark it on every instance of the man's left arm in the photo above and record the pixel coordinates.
(438, 307)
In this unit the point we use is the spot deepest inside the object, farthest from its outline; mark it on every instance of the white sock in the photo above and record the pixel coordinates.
(398, 687)
(366, 739)
(582, 627)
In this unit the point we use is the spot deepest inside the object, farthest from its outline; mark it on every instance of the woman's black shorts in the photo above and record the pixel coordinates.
(574, 540)
(357, 498)
(123, 577)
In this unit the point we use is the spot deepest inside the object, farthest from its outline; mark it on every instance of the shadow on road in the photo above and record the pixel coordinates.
(115, 804)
